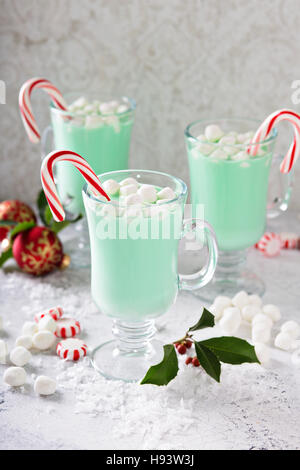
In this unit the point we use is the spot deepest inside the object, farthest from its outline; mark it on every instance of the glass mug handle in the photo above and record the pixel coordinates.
(279, 202)
(45, 144)
(204, 275)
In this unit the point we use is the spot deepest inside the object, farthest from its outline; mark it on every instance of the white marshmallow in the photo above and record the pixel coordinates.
(14, 376)
(29, 328)
(47, 324)
(114, 122)
(295, 357)
(201, 138)
(227, 140)
(213, 132)
(249, 312)
(166, 193)
(240, 156)
(220, 303)
(263, 353)
(242, 138)
(132, 199)
(92, 122)
(230, 150)
(111, 187)
(205, 148)
(3, 351)
(272, 311)
(260, 333)
(295, 344)
(219, 154)
(79, 103)
(129, 180)
(231, 320)
(262, 318)
(43, 340)
(20, 356)
(292, 328)
(240, 300)
(147, 193)
(216, 311)
(163, 201)
(122, 108)
(44, 385)
(25, 341)
(128, 189)
(89, 108)
(283, 341)
(109, 107)
(255, 300)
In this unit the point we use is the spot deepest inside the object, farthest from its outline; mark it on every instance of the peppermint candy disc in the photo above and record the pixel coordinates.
(71, 349)
(270, 244)
(289, 240)
(67, 327)
(55, 313)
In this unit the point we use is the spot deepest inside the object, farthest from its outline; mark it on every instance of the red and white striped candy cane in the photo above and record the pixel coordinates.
(48, 181)
(266, 127)
(25, 104)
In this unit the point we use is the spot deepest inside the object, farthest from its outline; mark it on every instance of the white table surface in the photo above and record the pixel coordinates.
(253, 407)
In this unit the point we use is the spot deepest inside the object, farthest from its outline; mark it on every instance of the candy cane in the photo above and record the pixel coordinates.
(48, 181)
(25, 104)
(264, 131)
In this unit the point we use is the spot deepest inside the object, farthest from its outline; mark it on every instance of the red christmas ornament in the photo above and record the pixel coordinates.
(37, 250)
(15, 211)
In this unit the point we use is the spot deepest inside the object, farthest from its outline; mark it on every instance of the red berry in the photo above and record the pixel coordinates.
(176, 345)
(188, 343)
(195, 362)
(188, 360)
(181, 349)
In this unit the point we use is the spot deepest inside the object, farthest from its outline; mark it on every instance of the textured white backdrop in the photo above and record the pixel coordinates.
(179, 59)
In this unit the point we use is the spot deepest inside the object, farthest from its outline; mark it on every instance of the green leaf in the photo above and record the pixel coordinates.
(207, 320)
(231, 350)
(165, 371)
(42, 205)
(47, 218)
(5, 256)
(7, 222)
(21, 227)
(208, 360)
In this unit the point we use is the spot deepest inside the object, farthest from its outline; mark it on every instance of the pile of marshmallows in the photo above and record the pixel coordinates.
(214, 143)
(42, 335)
(138, 199)
(95, 114)
(249, 309)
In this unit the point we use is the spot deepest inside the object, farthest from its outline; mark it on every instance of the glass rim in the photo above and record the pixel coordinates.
(134, 170)
(188, 135)
(129, 100)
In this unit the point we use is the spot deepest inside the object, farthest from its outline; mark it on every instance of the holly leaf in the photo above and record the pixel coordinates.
(231, 350)
(42, 205)
(207, 320)
(165, 371)
(209, 361)
(5, 255)
(21, 227)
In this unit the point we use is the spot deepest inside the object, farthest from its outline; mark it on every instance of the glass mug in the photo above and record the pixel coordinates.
(134, 270)
(234, 196)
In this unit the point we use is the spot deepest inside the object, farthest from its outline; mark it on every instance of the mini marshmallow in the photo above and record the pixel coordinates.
(25, 341)
(111, 187)
(231, 320)
(205, 148)
(263, 353)
(272, 311)
(130, 180)
(216, 311)
(92, 122)
(47, 324)
(242, 138)
(20, 356)
(240, 300)
(147, 193)
(260, 333)
(240, 156)
(230, 150)
(255, 300)
(249, 312)
(128, 189)
(122, 108)
(220, 303)
(29, 328)
(132, 199)
(219, 154)
(283, 341)
(213, 132)
(44, 385)
(3, 351)
(43, 340)
(108, 108)
(295, 357)
(292, 328)
(79, 103)
(166, 193)
(262, 318)
(114, 122)
(201, 138)
(14, 376)
(227, 140)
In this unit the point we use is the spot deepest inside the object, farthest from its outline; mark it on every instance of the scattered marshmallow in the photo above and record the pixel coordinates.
(220, 303)
(283, 341)
(260, 333)
(166, 193)
(292, 328)
(14, 376)
(255, 300)
(47, 324)
(20, 356)
(29, 328)
(43, 340)
(25, 341)
(263, 319)
(3, 351)
(111, 187)
(263, 353)
(213, 132)
(272, 311)
(231, 320)
(241, 299)
(147, 192)
(44, 385)
(249, 312)
(128, 189)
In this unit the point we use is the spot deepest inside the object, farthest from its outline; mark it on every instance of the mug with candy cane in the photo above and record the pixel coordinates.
(230, 165)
